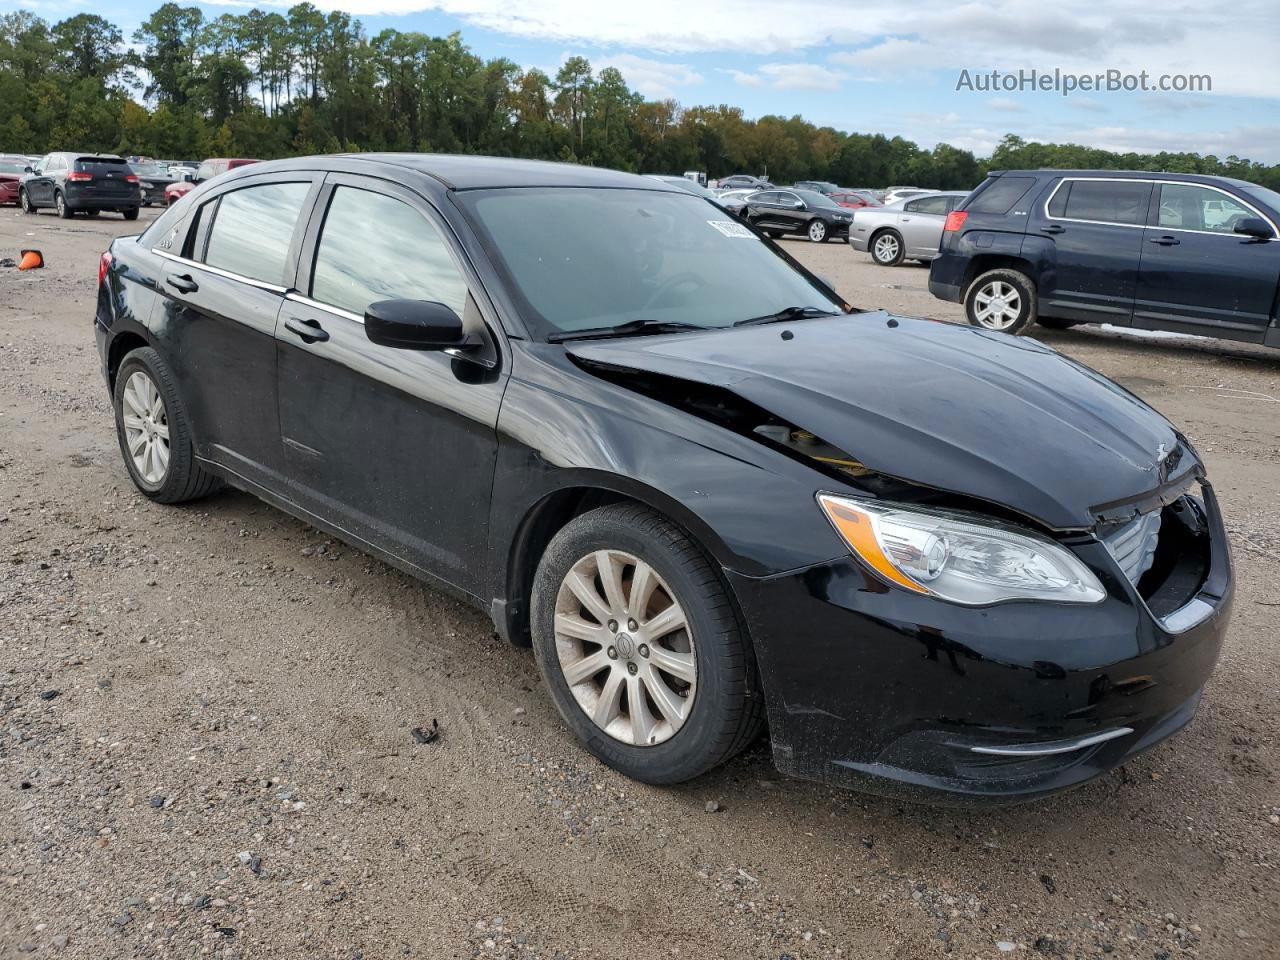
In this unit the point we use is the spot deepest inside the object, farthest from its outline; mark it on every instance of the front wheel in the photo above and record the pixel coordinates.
(887, 249)
(1003, 300)
(60, 204)
(24, 200)
(817, 231)
(640, 647)
(155, 438)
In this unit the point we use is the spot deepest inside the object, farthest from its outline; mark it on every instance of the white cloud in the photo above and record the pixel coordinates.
(1006, 105)
(656, 79)
(800, 76)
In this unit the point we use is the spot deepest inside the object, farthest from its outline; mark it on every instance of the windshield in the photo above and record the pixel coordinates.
(581, 259)
(149, 170)
(12, 166)
(1263, 195)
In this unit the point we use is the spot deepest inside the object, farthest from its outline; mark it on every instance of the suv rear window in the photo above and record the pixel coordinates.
(85, 162)
(999, 194)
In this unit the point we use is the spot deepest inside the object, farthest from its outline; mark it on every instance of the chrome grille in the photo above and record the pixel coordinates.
(1134, 544)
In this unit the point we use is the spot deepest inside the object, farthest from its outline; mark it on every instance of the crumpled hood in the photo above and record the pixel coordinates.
(983, 414)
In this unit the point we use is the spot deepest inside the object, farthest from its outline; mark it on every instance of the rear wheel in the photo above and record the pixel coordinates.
(640, 648)
(24, 201)
(1003, 300)
(151, 425)
(60, 204)
(130, 214)
(886, 248)
(817, 231)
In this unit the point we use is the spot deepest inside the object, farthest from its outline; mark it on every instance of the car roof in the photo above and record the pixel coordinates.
(459, 172)
(1123, 175)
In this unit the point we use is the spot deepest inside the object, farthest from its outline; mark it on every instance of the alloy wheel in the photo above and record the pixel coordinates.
(886, 248)
(997, 305)
(61, 204)
(817, 231)
(26, 202)
(625, 648)
(146, 427)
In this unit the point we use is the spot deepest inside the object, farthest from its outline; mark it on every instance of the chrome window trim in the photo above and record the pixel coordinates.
(296, 297)
(218, 271)
(1144, 226)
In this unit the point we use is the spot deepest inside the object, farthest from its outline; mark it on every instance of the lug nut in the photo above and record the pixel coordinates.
(613, 626)
(632, 625)
(644, 650)
(631, 668)
(613, 654)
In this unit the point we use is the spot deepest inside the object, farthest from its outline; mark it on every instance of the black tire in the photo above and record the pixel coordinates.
(130, 214)
(889, 253)
(24, 201)
(60, 204)
(1057, 323)
(91, 214)
(184, 479)
(728, 710)
(1027, 303)
(773, 234)
(817, 231)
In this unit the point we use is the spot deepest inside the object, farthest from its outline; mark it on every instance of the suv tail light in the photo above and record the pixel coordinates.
(955, 221)
(131, 178)
(79, 177)
(103, 266)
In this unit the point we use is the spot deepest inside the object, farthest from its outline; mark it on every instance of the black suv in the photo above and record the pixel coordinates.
(1156, 251)
(70, 182)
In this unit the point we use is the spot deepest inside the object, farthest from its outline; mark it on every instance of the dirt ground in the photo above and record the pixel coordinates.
(206, 720)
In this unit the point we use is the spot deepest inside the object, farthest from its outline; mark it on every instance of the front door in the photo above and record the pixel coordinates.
(1095, 226)
(40, 187)
(396, 447)
(221, 296)
(1197, 274)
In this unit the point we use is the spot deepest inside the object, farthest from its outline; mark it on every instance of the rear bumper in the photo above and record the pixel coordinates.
(944, 291)
(90, 199)
(893, 693)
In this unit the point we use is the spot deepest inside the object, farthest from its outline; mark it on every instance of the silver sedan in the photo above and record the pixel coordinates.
(909, 229)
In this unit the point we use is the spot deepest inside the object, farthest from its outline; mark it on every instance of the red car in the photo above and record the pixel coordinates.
(12, 169)
(853, 200)
(208, 170)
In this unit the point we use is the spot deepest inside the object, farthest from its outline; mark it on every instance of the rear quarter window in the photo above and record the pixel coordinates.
(252, 229)
(999, 194)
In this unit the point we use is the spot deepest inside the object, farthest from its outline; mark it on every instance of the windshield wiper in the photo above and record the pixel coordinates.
(788, 313)
(633, 328)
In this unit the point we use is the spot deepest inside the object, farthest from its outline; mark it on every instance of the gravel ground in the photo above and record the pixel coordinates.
(207, 746)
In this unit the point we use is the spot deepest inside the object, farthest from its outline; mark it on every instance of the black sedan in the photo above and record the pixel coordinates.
(934, 560)
(803, 212)
(152, 179)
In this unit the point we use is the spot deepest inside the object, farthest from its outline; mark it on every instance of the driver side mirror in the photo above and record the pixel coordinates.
(1255, 227)
(28, 170)
(416, 325)
(797, 205)
(188, 178)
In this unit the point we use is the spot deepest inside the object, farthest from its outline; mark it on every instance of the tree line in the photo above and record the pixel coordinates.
(279, 84)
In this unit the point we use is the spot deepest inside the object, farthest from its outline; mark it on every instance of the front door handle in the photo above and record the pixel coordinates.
(182, 283)
(308, 331)
(1052, 228)
(1165, 241)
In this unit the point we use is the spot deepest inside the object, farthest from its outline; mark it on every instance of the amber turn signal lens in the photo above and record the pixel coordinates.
(855, 527)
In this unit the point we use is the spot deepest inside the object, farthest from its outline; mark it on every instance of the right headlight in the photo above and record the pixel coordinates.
(953, 558)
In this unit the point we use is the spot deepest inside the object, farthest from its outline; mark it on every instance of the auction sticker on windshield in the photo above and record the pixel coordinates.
(731, 229)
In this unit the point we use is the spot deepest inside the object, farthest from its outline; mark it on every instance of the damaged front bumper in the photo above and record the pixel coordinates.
(873, 687)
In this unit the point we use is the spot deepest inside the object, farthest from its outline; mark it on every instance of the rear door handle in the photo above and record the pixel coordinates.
(1052, 228)
(182, 283)
(308, 331)
(1165, 241)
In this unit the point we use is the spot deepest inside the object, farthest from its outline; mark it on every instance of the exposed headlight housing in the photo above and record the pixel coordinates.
(954, 558)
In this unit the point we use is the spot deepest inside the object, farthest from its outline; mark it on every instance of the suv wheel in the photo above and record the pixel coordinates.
(130, 214)
(1003, 300)
(151, 425)
(25, 202)
(886, 248)
(817, 231)
(640, 647)
(60, 203)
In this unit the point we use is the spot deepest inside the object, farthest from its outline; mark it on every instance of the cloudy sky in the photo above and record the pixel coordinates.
(880, 66)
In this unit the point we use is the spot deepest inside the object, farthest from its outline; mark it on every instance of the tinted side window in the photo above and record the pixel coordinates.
(252, 228)
(766, 197)
(1000, 196)
(374, 247)
(1189, 207)
(1108, 201)
(927, 205)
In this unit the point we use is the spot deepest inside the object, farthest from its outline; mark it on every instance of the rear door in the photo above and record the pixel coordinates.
(397, 447)
(1197, 274)
(921, 225)
(1095, 226)
(222, 295)
(763, 209)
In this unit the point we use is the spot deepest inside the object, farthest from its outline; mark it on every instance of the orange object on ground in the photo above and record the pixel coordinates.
(31, 260)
